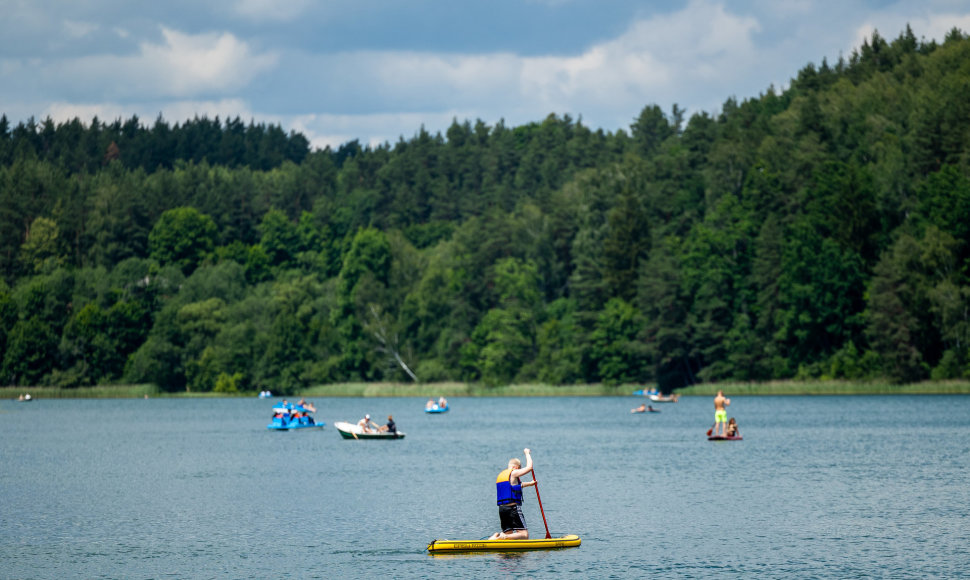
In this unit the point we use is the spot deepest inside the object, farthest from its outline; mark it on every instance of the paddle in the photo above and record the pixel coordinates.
(548, 535)
(711, 430)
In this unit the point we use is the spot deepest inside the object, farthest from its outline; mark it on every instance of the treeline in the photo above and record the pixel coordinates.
(76, 147)
(820, 231)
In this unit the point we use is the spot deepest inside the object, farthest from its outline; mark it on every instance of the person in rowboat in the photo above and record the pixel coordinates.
(720, 411)
(389, 428)
(365, 425)
(508, 488)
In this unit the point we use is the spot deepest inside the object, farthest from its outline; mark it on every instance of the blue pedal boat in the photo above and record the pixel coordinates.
(287, 417)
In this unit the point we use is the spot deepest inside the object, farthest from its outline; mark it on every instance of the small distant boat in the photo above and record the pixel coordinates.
(451, 546)
(265, 394)
(724, 438)
(289, 417)
(663, 398)
(646, 392)
(353, 431)
(436, 409)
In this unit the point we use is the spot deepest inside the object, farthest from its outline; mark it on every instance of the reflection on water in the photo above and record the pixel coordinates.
(820, 486)
(462, 555)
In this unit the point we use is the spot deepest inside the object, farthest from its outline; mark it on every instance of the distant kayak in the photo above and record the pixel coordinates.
(663, 398)
(436, 409)
(445, 546)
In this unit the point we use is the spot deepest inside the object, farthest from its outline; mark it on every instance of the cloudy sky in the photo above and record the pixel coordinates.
(379, 70)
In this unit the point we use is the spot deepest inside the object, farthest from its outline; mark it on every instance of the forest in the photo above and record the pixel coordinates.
(815, 232)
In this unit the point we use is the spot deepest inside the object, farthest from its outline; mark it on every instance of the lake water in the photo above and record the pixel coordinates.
(824, 487)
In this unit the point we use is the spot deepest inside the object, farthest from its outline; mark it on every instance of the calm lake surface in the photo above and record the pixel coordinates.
(823, 487)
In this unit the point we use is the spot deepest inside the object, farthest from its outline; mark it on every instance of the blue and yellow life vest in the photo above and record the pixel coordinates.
(505, 491)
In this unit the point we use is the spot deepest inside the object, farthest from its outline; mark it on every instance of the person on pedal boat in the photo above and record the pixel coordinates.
(508, 489)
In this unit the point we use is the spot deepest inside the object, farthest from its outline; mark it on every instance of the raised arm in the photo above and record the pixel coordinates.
(517, 473)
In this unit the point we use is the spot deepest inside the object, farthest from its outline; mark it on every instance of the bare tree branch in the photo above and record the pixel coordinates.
(388, 344)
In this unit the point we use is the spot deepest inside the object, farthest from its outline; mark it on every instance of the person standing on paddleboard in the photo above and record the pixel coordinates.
(720, 411)
(508, 489)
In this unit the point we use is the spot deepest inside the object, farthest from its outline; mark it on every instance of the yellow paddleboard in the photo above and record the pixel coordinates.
(441, 546)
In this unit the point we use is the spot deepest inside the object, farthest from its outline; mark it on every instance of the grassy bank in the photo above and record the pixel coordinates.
(829, 388)
(335, 390)
(102, 392)
(463, 390)
(530, 390)
(97, 392)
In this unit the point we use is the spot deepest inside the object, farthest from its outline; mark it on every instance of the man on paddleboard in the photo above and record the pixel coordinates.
(508, 489)
(720, 411)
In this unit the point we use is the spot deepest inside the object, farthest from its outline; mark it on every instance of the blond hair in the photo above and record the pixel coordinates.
(516, 461)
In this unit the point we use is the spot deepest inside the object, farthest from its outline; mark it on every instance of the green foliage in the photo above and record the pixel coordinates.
(505, 339)
(560, 342)
(499, 345)
(280, 238)
(818, 232)
(226, 383)
(137, 145)
(182, 237)
(30, 354)
(41, 252)
(615, 346)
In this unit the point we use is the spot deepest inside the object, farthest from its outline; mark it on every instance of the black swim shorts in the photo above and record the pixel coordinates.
(511, 517)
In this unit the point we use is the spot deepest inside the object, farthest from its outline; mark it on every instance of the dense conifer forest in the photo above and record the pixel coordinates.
(820, 231)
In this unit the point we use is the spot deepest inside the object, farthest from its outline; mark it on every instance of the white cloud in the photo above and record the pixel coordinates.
(696, 56)
(182, 66)
(188, 64)
(658, 60)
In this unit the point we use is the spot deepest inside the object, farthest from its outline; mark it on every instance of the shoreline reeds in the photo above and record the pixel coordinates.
(456, 389)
